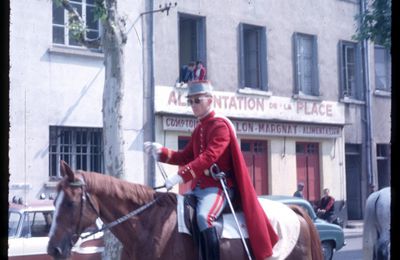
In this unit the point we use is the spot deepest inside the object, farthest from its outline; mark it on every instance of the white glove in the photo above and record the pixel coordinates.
(172, 181)
(152, 148)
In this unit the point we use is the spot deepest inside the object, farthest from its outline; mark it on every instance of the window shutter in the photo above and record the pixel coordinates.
(360, 90)
(201, 41)
(315, 77)
(296, 70)
(241, 57)
(341, 68)
(263, 58)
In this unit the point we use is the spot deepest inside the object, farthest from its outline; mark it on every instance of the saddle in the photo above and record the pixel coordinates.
(284, 221)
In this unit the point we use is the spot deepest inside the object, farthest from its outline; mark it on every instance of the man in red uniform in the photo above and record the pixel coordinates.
(214, 141)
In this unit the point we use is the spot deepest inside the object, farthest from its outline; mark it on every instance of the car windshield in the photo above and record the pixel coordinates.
(13, 222)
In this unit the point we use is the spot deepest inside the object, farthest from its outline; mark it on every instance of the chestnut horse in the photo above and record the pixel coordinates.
(151, 234)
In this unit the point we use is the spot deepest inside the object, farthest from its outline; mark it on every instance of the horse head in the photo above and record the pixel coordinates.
(75, 210)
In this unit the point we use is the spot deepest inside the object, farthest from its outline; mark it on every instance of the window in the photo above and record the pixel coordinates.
(252, 59)
(82, 148)
(383, 69)
(38, 223)
(13, 222)
(192, 39)
(61, 32)
(306, 64)
(350, 70)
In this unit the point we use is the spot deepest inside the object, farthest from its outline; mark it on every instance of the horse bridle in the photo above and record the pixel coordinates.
(81, 184)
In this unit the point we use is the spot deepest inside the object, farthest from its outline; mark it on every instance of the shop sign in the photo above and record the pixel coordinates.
(260, 128)
(230, 104)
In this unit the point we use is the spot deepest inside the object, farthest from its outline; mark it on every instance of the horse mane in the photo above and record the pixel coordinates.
(113, 187)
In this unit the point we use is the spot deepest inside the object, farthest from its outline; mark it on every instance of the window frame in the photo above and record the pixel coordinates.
(357, 93)
(198, 45)
(262, 63)
(70, 152)
(299, 87)
(388, 69)
(67, 39)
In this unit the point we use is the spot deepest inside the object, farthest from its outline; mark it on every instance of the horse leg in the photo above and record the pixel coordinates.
(370, 234)
(382, 247)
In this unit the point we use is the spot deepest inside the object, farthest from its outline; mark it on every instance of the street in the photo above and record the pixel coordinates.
(353, 248)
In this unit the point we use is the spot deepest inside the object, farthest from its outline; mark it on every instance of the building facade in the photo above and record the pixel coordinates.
(308, 102)
(56, 93)
(306, 99)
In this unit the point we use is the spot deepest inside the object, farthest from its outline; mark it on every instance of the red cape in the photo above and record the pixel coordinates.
(262, 235)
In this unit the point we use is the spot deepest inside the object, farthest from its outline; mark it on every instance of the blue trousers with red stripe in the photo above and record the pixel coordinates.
(210, 204)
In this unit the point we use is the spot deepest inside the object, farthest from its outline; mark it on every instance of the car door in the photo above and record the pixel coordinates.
(33, 238)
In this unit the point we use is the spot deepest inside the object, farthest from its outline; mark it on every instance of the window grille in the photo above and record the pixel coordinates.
(81, 148)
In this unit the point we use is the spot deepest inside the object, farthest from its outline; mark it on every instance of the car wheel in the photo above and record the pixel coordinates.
(327, 250)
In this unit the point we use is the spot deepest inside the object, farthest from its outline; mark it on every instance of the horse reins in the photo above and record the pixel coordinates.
(85, 195)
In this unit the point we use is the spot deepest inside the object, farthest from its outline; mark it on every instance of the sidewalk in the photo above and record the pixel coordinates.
(355, 224)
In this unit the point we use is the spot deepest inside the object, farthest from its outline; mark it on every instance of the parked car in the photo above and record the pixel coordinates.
(331, 235)
(28, 229)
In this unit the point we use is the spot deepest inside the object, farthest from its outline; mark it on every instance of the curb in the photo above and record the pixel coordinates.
(355, 225)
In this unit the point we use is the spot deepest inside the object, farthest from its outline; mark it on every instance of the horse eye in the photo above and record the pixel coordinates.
(69, 204)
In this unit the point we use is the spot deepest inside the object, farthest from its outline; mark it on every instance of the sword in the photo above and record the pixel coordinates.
(218, 175)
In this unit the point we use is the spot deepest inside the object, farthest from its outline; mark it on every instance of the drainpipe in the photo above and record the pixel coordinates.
(368, 117)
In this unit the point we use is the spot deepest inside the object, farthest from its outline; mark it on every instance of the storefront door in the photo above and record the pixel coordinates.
(307, 158)
(256, 157)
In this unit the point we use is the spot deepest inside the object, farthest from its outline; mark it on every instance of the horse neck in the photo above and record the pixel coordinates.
(116, 197)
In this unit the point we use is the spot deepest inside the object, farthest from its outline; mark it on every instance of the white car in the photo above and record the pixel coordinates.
(28, 228)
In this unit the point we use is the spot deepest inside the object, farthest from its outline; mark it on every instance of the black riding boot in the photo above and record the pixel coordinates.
(210, 241)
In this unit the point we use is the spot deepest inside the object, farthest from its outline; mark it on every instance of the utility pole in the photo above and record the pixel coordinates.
(148, 82)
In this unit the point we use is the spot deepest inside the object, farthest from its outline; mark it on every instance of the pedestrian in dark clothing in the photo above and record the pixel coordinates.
(299, 191)
(187, 72)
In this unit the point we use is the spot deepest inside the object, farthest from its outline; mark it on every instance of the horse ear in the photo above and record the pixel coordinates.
(66, 171)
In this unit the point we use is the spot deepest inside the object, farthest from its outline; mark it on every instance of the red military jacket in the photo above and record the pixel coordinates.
(209, 144)
(214, 140)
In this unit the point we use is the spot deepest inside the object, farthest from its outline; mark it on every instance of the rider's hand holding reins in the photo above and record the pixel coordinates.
(172, 181)
(153, 149)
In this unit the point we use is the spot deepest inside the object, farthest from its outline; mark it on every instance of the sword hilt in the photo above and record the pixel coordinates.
(216, 173)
